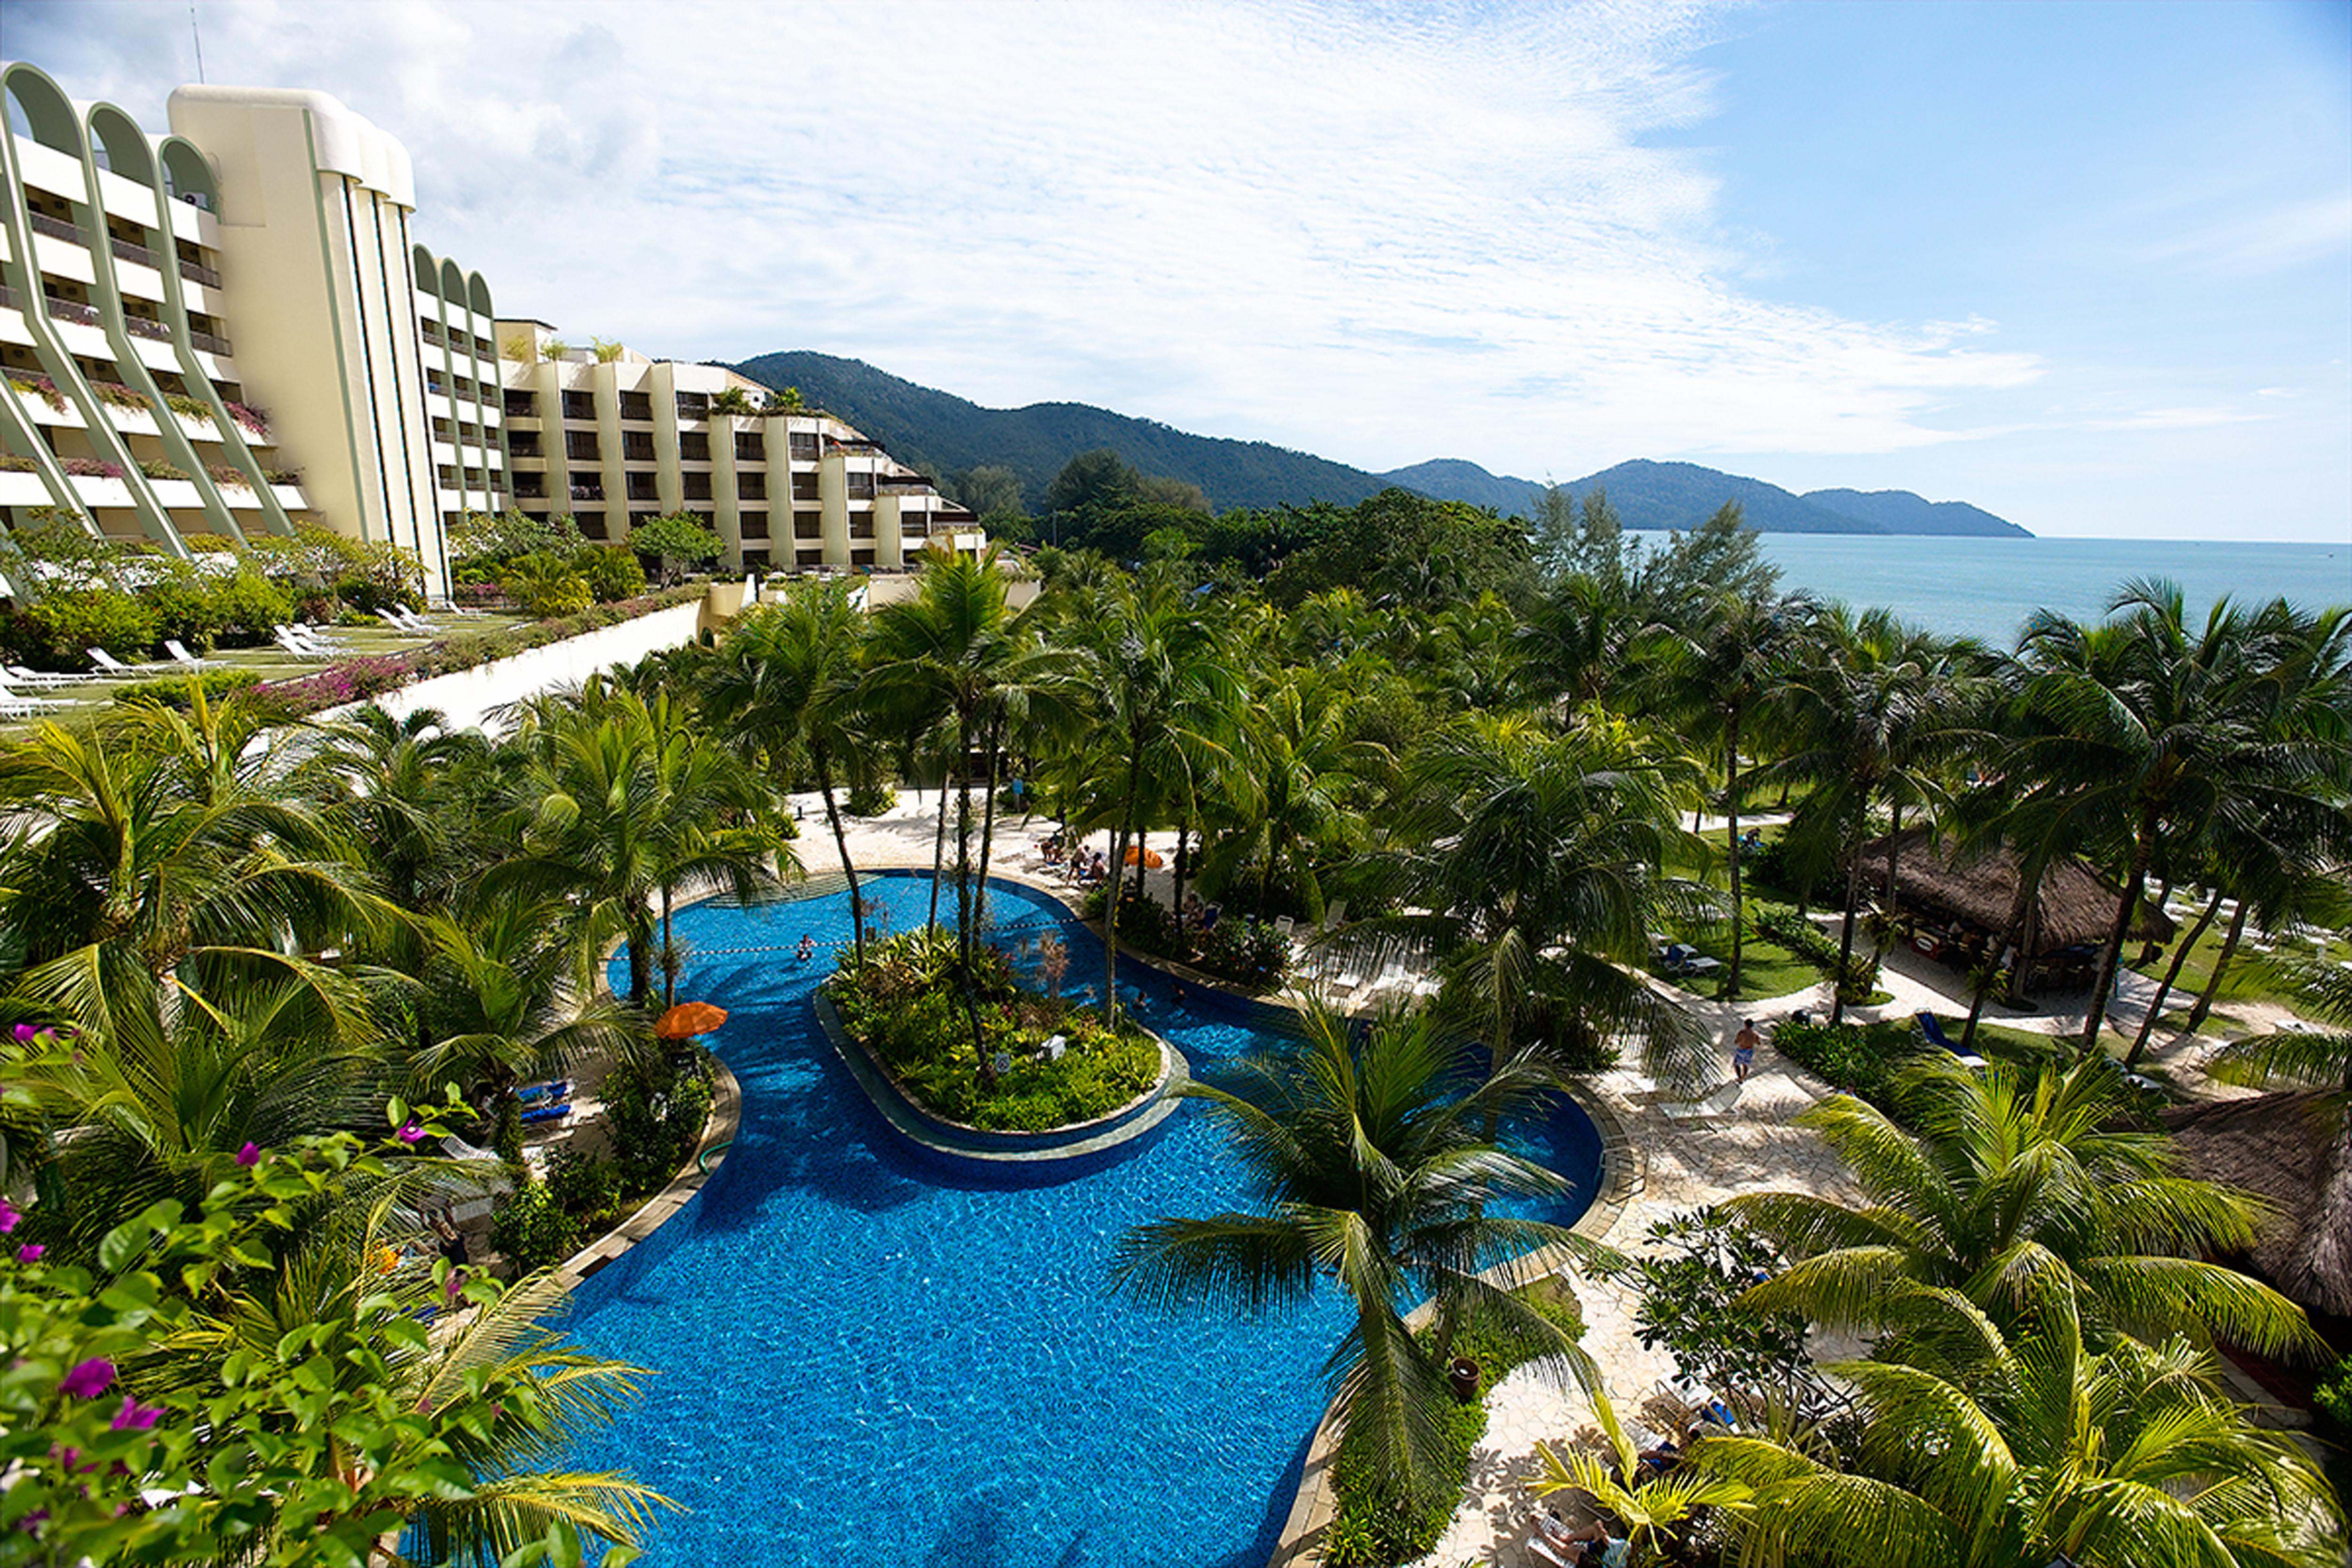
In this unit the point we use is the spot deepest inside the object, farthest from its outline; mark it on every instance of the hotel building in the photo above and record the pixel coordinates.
(615, 438)
(230, 331)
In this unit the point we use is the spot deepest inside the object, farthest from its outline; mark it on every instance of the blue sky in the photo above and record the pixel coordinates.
(2088, 265)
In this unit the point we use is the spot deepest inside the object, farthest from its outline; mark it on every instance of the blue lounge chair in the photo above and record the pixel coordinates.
(560, 1088)
(554, 1112)
(1931, 1029)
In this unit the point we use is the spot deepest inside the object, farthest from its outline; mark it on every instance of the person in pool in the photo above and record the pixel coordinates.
(806, 950)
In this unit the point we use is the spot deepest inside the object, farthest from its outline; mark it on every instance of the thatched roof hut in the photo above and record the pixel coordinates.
(2296, 1150)
(2077, 906)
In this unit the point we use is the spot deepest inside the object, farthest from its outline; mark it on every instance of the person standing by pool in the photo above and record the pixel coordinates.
(1743, 1049)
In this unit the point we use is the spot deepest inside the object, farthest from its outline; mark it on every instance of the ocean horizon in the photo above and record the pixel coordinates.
(1987, 587)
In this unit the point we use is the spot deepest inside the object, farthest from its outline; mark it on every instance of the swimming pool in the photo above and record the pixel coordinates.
(864, 1356)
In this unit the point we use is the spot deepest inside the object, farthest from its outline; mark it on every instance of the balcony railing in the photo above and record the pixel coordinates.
(587, 492)
(10, 300)
(197, 272)
(211, 343)
(67, 310)
(138, 253)
(55, 228)
(141, 327)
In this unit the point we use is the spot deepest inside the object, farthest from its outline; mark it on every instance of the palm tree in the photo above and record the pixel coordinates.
(622, 803)
(785, 682)
(1166, 700)
(1648, 1508)
(1526, 860)
(167, 845)
(1369, 1161)
(2015, 1181)
(2146, 735)
(1300, 772)
(2035, 1448)
(1719, 673)
(1875, 711)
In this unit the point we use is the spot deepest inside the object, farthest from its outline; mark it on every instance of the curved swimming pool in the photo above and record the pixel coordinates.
(863, 1356)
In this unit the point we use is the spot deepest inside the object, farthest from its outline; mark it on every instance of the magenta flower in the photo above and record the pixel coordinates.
(457, 1283)
(412, 1132)
(30, 1252)
(134, 1416)
(249, 1155)
(26, 1034)
(9, 1216)
(88, 1379)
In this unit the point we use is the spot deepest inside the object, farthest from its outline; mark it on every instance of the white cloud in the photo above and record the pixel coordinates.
(1378, 233)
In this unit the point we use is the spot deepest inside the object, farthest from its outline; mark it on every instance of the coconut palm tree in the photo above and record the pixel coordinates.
(785, 682)
(1526, 860)
(1166, 700)
(1874, 712)
(619, 803)
(2146, 732)
(2037, 1448)
(1719, 674)
(168, 847)
(2016, 1180)
(1303, 777)
(1369, 1161)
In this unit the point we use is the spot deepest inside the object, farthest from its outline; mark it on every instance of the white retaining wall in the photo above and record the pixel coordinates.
(467, 695)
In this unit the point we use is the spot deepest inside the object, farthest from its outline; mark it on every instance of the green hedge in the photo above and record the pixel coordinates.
(1783, 924)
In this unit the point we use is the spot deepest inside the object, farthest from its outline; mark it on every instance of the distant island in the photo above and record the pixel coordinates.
(951, 436)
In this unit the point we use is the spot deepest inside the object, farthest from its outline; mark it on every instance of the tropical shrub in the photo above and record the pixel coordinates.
(907, 1008)
(169, 691)
(870, 798)
(530, 1228)
(674, 539)
(1246, 953)
(612, 571)
(654, 1110)
(583, 1186)
(246, 606)
(1783, 924)
(54, 630)
(2333, 1399)
(1862, 1060)
(546, 584)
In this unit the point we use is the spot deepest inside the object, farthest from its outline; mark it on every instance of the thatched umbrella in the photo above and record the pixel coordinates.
(2075, 908)
(2293, 1150)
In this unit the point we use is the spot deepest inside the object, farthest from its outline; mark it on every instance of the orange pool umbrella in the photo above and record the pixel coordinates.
(1152, 859)
(688, 1019)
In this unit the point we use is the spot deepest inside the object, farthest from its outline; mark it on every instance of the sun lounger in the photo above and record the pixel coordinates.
(34, 704)
(23, 676)
(182, 657)
(1931, 1029)
(555, 1112)
(1716, 1102)
(109, 665)
(560, 1088)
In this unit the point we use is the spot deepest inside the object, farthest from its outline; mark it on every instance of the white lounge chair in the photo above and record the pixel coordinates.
(19, 706)
(1716, 1102)
(181, 655)
(109, 665)
(23, 676)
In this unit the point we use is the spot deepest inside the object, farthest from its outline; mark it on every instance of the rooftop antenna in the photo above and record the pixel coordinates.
(194, 33)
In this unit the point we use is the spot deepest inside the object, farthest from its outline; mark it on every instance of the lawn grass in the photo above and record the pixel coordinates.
(1765, 969)
(2247, 980)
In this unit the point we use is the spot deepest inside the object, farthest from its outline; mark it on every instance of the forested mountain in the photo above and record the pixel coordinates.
(951, 435)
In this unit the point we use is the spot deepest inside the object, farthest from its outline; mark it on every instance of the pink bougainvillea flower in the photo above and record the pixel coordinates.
(89, 1379)
(249, 1155)
(457, 1283)
(411, 1133)
(134, 1416)
(30, 1252)
(26, 1033)
(9, 1216)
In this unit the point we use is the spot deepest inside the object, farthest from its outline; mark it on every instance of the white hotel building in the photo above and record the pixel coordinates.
(231, 331)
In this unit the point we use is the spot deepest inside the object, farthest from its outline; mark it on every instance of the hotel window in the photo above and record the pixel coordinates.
(804, 487)
(751, 487)
(523, 443)
(637, 447)
(638, 407)
(694, 405)
(861, 486)
(808, 525)
(522, 405)
(642, 487)
(591, 523)
(580, 406)
(698, 487)
(755, 525)
(751, 446)
(580, 446)
(803, 446)
(694, 445)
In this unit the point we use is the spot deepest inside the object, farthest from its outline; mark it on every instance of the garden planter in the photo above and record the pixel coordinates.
(1463, 1375)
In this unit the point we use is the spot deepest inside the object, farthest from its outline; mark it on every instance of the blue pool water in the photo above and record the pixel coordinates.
(863, 1357)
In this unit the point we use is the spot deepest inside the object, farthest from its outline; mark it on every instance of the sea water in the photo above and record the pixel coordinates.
(1987, 587)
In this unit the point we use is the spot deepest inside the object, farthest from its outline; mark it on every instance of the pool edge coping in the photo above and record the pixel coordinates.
(709, 1154)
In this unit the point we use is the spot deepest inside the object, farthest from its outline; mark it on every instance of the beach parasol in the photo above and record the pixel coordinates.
(688, 1019)
(1152, 859)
